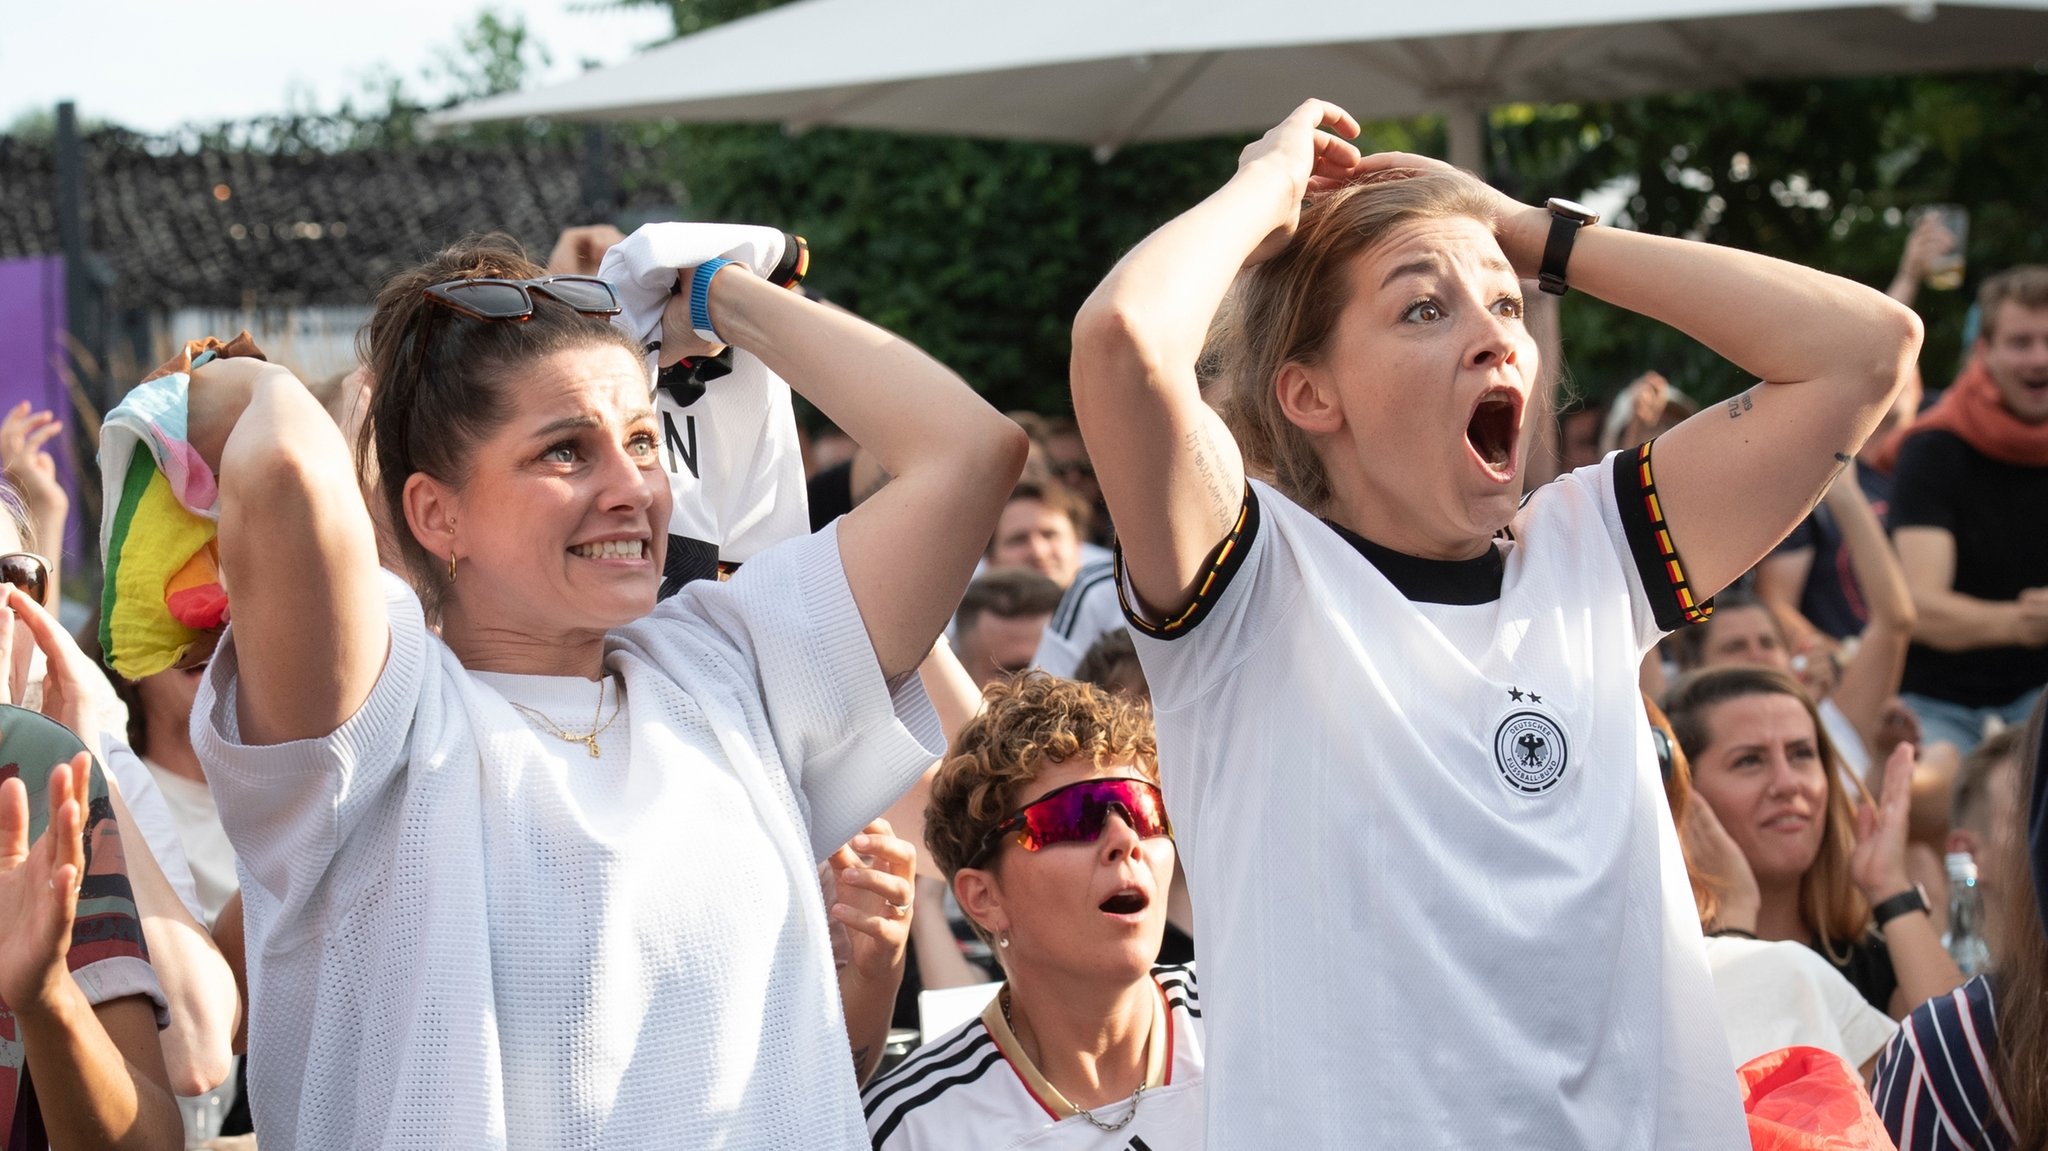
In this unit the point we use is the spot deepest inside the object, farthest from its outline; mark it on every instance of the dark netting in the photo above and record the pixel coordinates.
(296, 212)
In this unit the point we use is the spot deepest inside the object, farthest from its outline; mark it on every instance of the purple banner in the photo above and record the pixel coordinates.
(31, 352)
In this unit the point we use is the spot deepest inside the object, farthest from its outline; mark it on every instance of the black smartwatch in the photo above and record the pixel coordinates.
(1912, 899)
(1566, 218)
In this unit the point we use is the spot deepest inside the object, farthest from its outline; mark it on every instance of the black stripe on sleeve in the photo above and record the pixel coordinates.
(888, 1127)
(1658, 565)
(1217, 572)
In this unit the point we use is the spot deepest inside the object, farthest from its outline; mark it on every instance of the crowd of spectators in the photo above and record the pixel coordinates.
(461, 836)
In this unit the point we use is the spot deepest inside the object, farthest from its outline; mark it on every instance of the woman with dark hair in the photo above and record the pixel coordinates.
(1418, 806)
(530, 861)
(1970, 1069)
(1773, 993)
(1830, 873)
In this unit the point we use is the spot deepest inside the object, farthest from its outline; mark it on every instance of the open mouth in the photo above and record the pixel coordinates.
(1129, 901)
(1492, 431)
(612, 550)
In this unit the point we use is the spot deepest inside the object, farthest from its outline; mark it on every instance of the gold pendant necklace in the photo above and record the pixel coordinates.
(589, 738)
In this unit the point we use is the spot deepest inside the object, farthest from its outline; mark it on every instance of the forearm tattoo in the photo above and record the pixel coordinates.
(1739, 405)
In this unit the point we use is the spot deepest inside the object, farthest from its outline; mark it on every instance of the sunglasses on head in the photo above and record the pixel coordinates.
(1076, 814)
(513, 299)
(27, 571)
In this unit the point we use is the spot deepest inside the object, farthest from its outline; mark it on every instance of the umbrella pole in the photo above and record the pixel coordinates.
(1466, 126)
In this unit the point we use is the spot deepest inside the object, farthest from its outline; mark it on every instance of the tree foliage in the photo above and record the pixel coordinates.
(1823, 174)
(982, 251)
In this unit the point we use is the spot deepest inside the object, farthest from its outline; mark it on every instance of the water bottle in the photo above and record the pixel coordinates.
(1965, 937)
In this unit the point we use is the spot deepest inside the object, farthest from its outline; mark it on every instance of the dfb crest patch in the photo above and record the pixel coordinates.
(1530, 751)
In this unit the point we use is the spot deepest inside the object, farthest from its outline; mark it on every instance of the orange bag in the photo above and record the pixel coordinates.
(1806, 1099)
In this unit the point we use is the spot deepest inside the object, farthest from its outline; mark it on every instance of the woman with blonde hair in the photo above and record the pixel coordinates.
(1829, 873)
(1418, 806)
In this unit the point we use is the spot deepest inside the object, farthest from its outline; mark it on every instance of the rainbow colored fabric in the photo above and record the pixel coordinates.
(163, 605)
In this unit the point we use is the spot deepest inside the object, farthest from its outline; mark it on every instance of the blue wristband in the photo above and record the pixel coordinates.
(700, 297)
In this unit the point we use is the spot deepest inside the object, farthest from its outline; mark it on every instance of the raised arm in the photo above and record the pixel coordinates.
(297, 551)
(1736, 477)
(199, 990)
(1871, 677)
(1780, 584)
(910, 549)
(1170, 472)
(99, 1078)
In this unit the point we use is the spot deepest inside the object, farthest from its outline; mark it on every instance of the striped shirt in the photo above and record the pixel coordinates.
(1087, 611)
(1937, 1087)
(975, 1087)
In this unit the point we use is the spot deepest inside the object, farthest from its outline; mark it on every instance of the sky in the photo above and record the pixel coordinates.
(153, 65)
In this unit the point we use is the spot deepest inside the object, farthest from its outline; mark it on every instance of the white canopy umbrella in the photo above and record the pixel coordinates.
(1107, 73)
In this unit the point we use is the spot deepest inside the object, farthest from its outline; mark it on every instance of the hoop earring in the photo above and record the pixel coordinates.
(451, 567)
(1003, 940)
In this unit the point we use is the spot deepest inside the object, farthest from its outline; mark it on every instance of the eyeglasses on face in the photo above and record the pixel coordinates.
(1077, 813)
(489, 299)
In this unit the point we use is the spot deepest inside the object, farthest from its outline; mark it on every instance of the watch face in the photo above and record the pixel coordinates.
(1573, 209)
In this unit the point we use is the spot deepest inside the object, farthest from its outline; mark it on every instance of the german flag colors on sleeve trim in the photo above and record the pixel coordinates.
(1662, 572)
(1217, 571)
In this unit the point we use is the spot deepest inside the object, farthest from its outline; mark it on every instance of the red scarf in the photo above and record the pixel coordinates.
(1972, 411)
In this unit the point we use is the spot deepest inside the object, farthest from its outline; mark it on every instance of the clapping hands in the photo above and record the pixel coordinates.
(39, 887)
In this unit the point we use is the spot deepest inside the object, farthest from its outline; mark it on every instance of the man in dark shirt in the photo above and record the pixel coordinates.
(1967, 512)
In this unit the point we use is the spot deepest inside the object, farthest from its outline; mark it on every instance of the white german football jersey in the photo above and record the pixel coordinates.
(728, 431)
(1088, 610)
(734, 468)
(974, 1088)
(1440, 893)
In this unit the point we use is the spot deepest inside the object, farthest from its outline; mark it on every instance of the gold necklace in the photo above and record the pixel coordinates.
(1137, 1096)
(587, 739)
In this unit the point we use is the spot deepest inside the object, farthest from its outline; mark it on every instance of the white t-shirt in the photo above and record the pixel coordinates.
(464, 932)
(152, 815)
(1441, 896)
(974, 1087)
(1088, 610)
(1777, 994)
(207, 850)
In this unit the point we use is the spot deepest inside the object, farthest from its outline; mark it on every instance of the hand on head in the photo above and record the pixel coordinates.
(1719, 861)
(220, 391)
(1311, 152)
